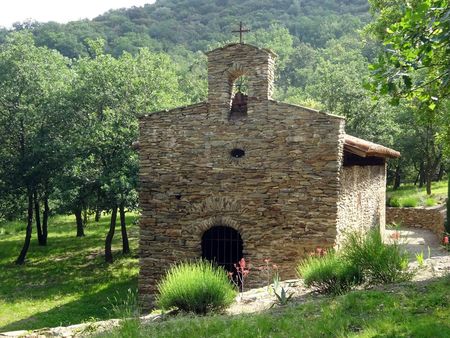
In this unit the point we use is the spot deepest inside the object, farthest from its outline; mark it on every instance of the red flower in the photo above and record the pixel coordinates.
(242, 263)
(446, 240)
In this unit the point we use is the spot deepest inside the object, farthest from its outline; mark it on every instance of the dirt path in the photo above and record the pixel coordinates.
(415, 241)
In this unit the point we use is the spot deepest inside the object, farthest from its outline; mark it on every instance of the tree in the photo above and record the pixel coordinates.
(415, 61)
(33, 81)
(415, 64)
(110, 93)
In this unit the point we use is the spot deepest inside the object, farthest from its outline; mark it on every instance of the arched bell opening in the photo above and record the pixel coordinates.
(239, 98)
(223, 246)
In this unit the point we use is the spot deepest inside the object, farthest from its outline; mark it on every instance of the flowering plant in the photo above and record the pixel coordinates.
(270, 271)
(238, 277)
(446, 241)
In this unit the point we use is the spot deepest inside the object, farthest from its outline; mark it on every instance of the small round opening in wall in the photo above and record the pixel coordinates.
(237, 153)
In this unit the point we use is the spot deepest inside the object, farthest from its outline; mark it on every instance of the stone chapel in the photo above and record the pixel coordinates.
(242, 175)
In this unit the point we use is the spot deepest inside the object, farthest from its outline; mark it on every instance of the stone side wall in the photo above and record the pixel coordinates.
(361, 200)
(432, 218)
(281, 196)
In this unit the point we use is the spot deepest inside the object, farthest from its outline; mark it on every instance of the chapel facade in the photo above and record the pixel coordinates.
(242, 175)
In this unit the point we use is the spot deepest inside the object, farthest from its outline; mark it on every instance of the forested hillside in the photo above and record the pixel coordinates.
(195, 24)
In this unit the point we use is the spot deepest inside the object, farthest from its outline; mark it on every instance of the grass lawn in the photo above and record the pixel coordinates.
(412, 310)
(66, 282)
(409, 194)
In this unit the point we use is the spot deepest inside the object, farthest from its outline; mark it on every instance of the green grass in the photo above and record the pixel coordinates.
(409, 195)
(329, 274)
(412, 310)
(198, 287)
(66, 282)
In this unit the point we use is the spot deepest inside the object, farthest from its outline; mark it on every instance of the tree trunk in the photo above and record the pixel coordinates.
(429, 179)
(447, 223)
(21, 259)
(397, 177)
(109, 237)
(421, 175)
(98, 212)
(45, 220)
(79, 220)
(123, 228)
(440, 174)
(37, 212)
(85, 217)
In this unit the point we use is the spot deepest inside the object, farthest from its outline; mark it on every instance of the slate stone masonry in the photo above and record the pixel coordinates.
(282, 196)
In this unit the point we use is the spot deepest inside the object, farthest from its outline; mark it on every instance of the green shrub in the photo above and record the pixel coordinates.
(329, 273)
(197, 287)
(409, 202)
(394, 202)
(379, 262)
(430, 202)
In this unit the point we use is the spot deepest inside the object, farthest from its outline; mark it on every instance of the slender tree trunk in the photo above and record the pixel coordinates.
(421, 175)
(109, 237)
(98, 209)
(45, 220)
(98, 212)
(37, 212)
(441, 172)
(397, 177)
(429, 179)
(21, 259)
(123, 228)
(447, 224)
(85, 217)
(79, 220)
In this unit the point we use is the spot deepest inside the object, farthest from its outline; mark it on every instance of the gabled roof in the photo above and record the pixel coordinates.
(365, 148)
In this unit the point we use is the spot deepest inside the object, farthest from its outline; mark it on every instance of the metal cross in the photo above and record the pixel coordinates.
(240, 31)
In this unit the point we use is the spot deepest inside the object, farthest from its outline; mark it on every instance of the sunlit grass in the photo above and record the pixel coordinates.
(411, 195)
(66, 282)
(412, 310)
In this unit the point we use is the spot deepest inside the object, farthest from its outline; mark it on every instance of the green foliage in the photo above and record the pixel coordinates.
(416, 62)
(363, 259)
(430, 202)
(407, 191)
(197, 287)
(394, 202)
(412, 310)
(409, 202)
(329, 273)
(379, 262)
(200, 22)
(420, 259)
(124, 307)
(282, 296)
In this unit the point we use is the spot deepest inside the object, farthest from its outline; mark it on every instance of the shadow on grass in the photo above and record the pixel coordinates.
(89, 306)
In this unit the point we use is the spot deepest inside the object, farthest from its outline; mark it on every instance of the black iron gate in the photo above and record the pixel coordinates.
(222, 245)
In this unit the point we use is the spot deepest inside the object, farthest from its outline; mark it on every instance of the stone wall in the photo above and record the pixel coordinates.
(432, 218)
(281, 196)
(362, 199)
(228, 63)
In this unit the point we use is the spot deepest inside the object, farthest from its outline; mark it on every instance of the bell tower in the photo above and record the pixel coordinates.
(227, 64)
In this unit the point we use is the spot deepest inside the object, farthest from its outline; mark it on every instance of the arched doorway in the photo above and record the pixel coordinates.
(222, 245)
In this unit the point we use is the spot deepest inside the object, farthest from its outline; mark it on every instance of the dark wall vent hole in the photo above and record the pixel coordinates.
(237, 153)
